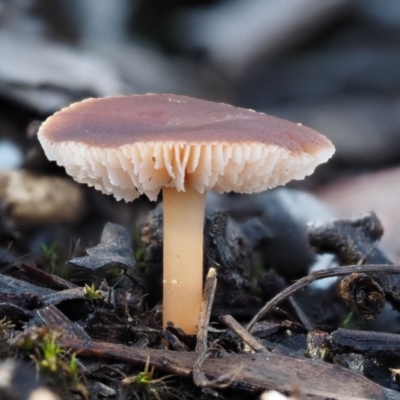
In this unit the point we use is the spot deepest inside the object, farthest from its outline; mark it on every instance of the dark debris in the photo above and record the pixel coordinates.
(128, 325)
(112, 253)
(355, 241)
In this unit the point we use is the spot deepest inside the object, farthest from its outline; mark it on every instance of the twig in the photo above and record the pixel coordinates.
(221, 382)
(249, 339)
(303, 282)
(301, 315)
(205, 310)
(199, 378)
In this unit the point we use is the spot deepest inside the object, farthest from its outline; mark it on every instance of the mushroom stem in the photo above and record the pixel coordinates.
(183, 257)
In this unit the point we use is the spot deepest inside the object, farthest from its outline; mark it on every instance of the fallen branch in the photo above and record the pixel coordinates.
(254, 372)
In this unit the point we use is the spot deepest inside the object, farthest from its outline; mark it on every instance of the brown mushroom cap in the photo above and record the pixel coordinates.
(129, 145)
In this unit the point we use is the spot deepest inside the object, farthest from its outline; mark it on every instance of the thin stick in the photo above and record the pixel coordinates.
(205, 310)
(249, 339)
(317, 275)
(199, 377)
(221, 382)
(301, 315)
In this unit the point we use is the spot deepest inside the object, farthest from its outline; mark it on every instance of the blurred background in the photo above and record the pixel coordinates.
(332, 65)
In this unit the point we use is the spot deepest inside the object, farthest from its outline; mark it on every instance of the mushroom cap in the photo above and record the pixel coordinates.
(129, 145)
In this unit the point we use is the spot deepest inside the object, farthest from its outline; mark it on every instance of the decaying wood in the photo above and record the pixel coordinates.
(55, 319)
(301, 283)
(354, 241)
(226, 248)
(319, 346)
(64, 295)
(205, 310)
(371, 344)
(199, 377)
(324, 346)
(36, 276)
(22, 289)
(249, 339)
(115, 250)
(254, 372)
(362, 294)
(222, 381)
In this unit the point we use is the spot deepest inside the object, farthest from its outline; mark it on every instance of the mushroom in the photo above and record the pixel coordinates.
(142, 144)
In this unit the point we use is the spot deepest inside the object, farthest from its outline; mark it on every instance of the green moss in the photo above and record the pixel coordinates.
(52, 261)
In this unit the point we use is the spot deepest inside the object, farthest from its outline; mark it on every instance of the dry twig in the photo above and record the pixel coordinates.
(303, 282)
(205, 310)
(249, 339)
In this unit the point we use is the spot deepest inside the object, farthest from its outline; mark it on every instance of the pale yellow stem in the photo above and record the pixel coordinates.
(183, 257)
